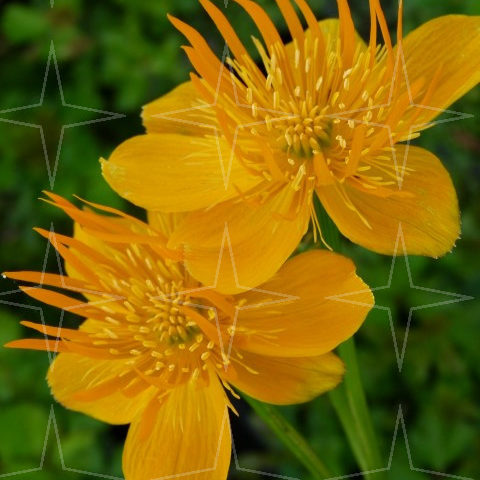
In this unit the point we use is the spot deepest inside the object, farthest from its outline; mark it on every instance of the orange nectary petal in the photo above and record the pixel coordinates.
(329, 304)
(228, 32)
(262, 20)
(45, 345)
(446, 48)
(52, 331)
(426, 208)
(328, 29)
(119, 222)
(207, 65)
(294, 25)
(347, 31)
(87, 243)
(181, 111)
(50, 279)
(286, 381)
(185, 434)
(166, 172)
(235, 245)
(71, 374)
(58, 300)
(94, 231)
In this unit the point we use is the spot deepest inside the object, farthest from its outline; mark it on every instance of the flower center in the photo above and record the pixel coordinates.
(168, 324)
(304, 130)
(159, 329)
(316, 113)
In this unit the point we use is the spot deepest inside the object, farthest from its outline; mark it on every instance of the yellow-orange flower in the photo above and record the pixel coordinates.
(156, 348)
(324, 114)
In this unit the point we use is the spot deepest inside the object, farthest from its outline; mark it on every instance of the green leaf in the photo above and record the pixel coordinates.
(22, 24)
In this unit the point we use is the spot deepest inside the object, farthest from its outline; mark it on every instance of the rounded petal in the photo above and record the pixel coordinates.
(236, 245)
(174, 173)
(426, 208)
(180, 111)
(328, 304)
(188, 435)
(444, 50)
(285, 381)
(71, 374)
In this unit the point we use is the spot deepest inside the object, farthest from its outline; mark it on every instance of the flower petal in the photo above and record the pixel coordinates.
(187, 435)
(446, 48)
(173, 173)
(285, 381)
(166, 223)
(312, 322)
(250, 241)
(180, 111)
(329, 29)
(70, 374)
(89, 240)
(426, 207)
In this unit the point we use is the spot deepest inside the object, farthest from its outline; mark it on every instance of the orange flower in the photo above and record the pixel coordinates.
(157, 348)
(325, 115)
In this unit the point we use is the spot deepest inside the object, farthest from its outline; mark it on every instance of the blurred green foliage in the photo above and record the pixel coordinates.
(116, 55)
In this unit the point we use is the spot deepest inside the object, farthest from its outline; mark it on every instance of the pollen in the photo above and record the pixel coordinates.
(144, 309)
(324, 108)
(306, 92)
(158, 325)
(295, 121)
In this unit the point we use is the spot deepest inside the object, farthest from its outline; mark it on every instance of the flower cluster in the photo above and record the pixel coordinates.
(156, 346)
(205, 298)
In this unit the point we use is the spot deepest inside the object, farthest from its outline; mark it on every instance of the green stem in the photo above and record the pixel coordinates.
(351, 406)
(349, 399)
(290, 437)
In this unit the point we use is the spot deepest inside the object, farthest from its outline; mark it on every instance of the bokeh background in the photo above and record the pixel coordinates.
(116, 55)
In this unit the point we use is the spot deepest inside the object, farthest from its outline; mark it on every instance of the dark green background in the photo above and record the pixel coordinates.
(116, 55)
